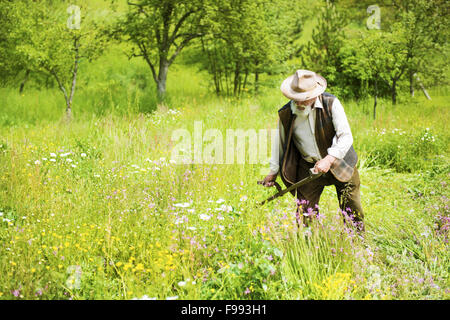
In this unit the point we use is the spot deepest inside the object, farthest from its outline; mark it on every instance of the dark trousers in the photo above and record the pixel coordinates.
(347, 192)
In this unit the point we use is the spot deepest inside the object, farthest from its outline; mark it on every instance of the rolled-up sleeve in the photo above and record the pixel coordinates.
(343, 139)
(277, 149)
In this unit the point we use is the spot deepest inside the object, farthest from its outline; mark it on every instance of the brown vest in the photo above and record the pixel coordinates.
(324, 133)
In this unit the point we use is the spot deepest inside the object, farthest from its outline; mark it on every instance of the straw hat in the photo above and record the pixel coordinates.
(303, 85)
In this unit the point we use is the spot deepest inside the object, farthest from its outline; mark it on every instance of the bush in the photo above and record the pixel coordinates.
(403, 151)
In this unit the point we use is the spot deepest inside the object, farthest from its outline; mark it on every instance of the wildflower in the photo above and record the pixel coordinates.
(204, 217)
(83, 155)
(172, 298)
(53, 155)
(37, 162)
(16, 293)
(182, 205)
(144, 297)
(53, 160)
(247, 291)
(182, 283)
(220, 201)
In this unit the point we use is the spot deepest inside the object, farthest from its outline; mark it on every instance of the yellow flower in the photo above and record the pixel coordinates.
(33, 270)
(140, 266)
(60, 266)
(118, 264)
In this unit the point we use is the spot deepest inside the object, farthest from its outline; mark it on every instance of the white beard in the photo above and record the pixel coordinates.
(304, 113)
(300, 113)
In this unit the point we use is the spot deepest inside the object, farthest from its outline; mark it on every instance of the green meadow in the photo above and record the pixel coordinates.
(96, 209)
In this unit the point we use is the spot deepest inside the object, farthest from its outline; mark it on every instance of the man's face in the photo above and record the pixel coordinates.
(302, 104)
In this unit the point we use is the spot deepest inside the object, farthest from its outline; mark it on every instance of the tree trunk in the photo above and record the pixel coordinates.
(237, 73)
(394, 91)
(422, 87)
(245, 79)
(375, 101)
(256, 81)
(22, 85)
(411, 83)
(162, 79)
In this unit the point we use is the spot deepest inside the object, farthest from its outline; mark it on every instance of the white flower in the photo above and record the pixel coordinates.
(83, 154)
(192, 228)
(69, 160)
(179, 220)
(172, 161)
(44, 159)
(182, 205)
(64, 154)
(220, 200)
(144, 297)
(162, 159)
(53, 160)
(37, 162)
(182, 283)
(204, 217)
(52, 154)
(172, 298)
(243, 198)
(226, 208)
(97, 175)
(1, 214)
(73, 166)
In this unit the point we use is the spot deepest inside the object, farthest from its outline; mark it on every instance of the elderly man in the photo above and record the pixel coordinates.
(313, 132)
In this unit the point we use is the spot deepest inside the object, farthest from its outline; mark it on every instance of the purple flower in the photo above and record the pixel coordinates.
(247, 291)
(16, 293)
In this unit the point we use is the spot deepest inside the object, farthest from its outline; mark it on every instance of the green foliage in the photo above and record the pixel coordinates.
(46, 40)
(405, 151)
(158, 31)
(243, 40)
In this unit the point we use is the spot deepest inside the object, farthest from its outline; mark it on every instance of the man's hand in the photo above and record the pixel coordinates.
(324, 164)
(269, 180)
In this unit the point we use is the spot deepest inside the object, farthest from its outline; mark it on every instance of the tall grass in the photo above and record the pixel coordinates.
(95, 209)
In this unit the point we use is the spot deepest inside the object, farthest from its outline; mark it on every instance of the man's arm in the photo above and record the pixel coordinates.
(343, 139)
(277, 153)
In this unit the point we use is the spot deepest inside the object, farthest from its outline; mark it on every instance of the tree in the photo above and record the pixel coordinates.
(11, 62)
(426, 27)
(322, 53)
(247, 37)
(54, 43)
(159, 30)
